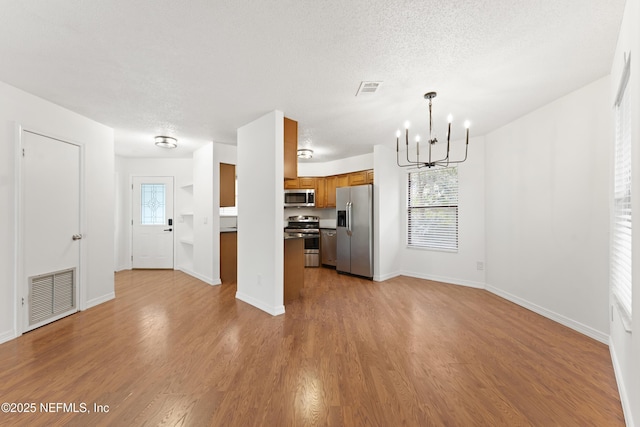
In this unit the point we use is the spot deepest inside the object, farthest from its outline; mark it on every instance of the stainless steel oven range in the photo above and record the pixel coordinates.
(309, 225)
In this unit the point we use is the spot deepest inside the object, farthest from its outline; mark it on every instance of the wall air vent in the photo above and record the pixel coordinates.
(368, 87)
(51, 295)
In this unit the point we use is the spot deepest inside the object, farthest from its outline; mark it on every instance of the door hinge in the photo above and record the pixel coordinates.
(132, 186)
(131, 257)
(131, 222)
(23, 152)
(23, 301)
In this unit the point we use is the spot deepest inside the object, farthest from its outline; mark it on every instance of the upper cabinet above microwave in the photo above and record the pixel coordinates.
(290, 149)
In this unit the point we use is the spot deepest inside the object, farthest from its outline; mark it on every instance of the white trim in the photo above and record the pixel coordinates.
(7, 336)
(446, 280)
(53, 319)
(563, 320)
(622, 389)
(19, 273)
(97, 301)
(383, 277)
(207, 280)
(132, 202)
(274, 311)
(122, 268)
(17, 233)
(624, 80)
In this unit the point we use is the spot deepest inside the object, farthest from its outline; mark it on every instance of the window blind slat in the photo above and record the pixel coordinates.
(620, 254)
(433, 209)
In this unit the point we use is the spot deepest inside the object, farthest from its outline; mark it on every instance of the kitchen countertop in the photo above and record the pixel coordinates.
(288, 236)
(327, 223)
(228, 229)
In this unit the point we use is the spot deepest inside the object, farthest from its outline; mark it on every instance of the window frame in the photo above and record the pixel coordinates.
(621, 240)
(451, 205)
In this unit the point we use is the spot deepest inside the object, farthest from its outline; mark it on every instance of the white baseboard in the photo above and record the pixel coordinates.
(122, 268)
(449, 280)
(99, 300)
(205, 279)
(383, 277)
(622, 389)
(7, 336)
(570, 323)
(274, 311)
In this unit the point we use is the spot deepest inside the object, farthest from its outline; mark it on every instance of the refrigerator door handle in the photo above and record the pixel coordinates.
(349, 230)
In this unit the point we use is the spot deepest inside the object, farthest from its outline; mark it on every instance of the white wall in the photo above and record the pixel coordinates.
(462, 267)
(34, 113)
(206, 226)
(260, 213)
(126, 168)
(547, 217)
(388, 214)
(336, 167)
(222, 153)
(625, 346)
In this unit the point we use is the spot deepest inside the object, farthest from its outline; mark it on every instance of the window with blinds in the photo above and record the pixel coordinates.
(620, 254)
(433, 209)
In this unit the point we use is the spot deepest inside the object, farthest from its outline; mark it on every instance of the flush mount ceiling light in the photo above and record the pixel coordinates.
(305, 153)
(429, 162)
(166, 142)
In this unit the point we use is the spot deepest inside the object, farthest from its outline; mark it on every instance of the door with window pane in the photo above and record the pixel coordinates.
(152, 222)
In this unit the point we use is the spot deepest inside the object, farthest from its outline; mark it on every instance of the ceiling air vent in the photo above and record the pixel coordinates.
(368, 87)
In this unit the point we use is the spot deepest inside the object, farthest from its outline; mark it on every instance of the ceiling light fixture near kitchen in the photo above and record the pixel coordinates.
(166, 142)
(305, 153)
(417, 163)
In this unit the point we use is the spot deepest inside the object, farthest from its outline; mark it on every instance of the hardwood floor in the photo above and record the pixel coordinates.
(171, 350)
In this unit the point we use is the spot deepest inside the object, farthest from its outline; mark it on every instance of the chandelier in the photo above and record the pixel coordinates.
(429, 162)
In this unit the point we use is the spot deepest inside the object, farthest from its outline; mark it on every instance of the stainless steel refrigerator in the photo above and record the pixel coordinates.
(354, 227)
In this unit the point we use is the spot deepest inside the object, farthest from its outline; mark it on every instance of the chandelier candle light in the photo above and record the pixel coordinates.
(417, 163)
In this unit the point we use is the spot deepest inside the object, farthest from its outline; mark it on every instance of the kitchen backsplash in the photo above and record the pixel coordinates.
(228, 221)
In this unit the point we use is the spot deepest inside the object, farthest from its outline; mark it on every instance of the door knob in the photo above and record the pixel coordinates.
(76, 236)
(168, 229)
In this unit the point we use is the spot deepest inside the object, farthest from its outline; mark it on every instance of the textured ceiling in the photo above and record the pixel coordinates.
(198, 70)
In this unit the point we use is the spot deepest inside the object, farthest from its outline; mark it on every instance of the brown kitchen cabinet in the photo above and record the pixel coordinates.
(306, 182)
(326, 186)
(290, 149)
(342, 180)
(228, 257)
(330, 188)
(227, 185)
(293, 269)
(302, 182)
(358, 178)
(321, 193)
(291, 184)
(370, 176)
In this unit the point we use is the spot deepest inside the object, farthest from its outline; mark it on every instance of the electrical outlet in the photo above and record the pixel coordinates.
(480, 266)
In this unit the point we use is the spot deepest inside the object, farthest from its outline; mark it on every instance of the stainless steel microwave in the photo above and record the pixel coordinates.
(300, 198)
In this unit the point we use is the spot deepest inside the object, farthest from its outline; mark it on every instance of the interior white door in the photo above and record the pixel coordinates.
(51, 228)
(152, 243)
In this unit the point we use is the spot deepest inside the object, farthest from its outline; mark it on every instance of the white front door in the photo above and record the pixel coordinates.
(51, 234)
(152, 222)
